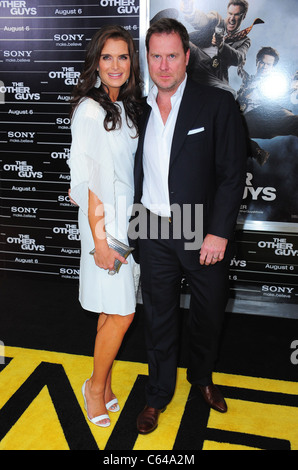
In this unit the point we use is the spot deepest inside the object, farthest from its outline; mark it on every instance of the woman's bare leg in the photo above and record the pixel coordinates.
(109, 395)
(110, 334)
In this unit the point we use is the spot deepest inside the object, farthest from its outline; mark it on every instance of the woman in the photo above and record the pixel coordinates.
(106, 107)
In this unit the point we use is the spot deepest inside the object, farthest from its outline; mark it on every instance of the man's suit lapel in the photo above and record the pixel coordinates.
(138, 167)
(186, 116)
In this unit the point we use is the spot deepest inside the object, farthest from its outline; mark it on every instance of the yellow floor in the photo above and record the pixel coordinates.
(39, 427)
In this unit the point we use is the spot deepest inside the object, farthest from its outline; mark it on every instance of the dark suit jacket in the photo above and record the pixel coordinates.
(208, 165)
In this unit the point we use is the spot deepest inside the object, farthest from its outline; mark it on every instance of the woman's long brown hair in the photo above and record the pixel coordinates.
(130, 93)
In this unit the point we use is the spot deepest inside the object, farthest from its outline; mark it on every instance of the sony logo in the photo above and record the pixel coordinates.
(24, 210)
(21, 135)
(70, 271)
(17, 53)
(68, 37)
(278, 289)
(65, 121)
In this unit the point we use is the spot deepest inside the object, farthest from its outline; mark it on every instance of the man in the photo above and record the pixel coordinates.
(217, 44)
(260, 96)
(190, 153)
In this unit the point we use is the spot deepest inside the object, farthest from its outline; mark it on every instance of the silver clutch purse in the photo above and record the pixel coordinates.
(121, 248)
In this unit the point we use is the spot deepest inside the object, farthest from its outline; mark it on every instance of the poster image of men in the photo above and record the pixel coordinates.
(258, 98)
(216, 43)
(264, 116)
(242, 47)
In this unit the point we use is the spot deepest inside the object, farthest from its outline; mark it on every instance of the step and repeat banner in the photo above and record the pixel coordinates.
(41, 56)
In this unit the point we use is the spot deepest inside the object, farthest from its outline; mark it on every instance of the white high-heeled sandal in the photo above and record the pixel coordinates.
(113, 403)
(98, 419)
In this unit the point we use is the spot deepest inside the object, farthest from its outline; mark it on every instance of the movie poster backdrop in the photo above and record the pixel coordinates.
(41, 56)
(258, 64)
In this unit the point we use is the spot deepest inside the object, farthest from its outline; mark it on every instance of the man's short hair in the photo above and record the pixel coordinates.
(168, 26)
(242, 3)
(268, 51)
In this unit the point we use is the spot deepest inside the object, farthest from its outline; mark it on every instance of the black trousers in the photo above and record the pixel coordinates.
(163, 263)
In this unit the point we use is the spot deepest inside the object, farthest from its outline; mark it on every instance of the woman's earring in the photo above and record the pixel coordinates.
(98, 82)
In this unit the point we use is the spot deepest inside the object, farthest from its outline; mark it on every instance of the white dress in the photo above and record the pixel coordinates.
(103, 162)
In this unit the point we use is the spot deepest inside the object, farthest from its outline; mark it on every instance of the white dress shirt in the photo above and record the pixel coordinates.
(157, 151)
